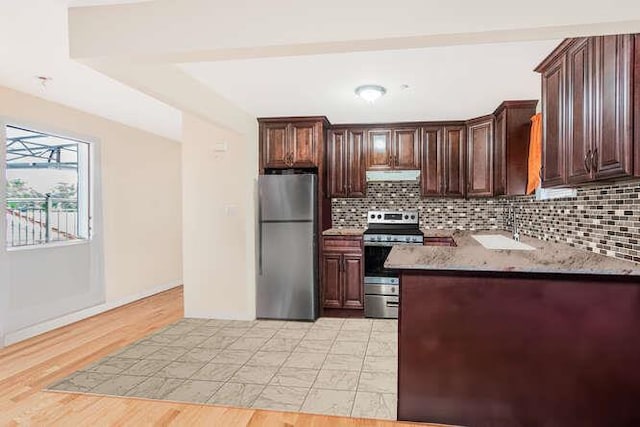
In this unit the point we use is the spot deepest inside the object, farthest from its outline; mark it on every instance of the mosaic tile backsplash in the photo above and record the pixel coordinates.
(602, 218)
(442, 213)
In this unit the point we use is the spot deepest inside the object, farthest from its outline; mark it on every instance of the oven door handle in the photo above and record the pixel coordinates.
(393, 303)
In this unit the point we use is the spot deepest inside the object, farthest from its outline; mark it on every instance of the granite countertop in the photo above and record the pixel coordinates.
(470, 255)
(343, 232)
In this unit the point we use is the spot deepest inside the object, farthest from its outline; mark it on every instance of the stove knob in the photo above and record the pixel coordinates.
(413, 217)
(379, 216)
(372, 216)
(406, 217)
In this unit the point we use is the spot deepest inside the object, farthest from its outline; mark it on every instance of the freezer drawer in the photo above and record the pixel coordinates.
(287, 272)
(381, 306)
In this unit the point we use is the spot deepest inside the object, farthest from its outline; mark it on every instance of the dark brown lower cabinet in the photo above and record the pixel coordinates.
(343, 273)
(519, 349)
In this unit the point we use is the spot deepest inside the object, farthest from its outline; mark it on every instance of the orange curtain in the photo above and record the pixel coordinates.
(535, 153)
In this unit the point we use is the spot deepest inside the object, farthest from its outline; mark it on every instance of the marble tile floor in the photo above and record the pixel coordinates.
(332, 366)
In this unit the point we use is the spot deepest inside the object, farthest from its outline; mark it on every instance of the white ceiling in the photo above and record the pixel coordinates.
(34, 41)
(445, 83)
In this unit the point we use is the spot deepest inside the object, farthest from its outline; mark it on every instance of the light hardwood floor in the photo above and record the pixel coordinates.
(27, 367)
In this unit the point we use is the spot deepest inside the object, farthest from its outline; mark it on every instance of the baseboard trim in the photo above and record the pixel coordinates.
(226, 315)
(49, 325)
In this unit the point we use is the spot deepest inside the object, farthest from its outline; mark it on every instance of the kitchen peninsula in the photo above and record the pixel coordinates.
(545, 337)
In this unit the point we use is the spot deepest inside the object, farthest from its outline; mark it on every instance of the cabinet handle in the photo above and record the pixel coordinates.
(588, 161)
(594, 160)
(541, 173)
(397, 160)
(390, 160)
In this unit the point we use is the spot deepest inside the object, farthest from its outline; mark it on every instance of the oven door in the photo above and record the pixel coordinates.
(374, 258)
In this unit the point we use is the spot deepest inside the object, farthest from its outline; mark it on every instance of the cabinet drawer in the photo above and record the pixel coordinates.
(342, 244)
(439, 241)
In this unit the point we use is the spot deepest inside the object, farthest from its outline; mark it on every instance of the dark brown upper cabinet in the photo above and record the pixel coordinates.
(553, 123)
(442, 171)
(345, 163)
(274, 145)
(511, 147)
(379, 149)
(480, 157)
(291, 142)
(588, 108)
(615, 73)
(579, 108)
(393, 149)
(406, 148)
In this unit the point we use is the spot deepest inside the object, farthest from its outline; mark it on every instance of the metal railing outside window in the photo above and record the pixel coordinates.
(36, 221)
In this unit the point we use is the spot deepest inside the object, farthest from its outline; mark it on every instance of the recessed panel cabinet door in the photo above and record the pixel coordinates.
(613, 147)
(480, 158)
(275, 150)
(337, 164)
(432, 173)
(579, 112)
(353, 281)
(553, 124)
(406, 149)
(379, 152)
(303, 144)
(454, 161)
(356, 166)
(332, 276)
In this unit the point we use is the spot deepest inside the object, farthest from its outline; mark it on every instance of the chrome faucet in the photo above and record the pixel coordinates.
(512, 220)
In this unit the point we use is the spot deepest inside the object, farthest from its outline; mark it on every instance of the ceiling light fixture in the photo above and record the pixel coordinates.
(370, 93)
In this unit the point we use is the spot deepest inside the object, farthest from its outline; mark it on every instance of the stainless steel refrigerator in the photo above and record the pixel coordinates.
(287, 257)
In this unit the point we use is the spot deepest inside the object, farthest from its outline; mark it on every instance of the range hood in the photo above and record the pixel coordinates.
(408, 175)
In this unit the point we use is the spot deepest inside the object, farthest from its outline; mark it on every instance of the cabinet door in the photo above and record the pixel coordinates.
(406, 149)
(379, 152)
(453, 159)
(337, 164)
(302, 145)
(274, 145)
(353, 281)
(432, 171)
(613, 148)
(553, 122)
(356, 167)
(579, 112)
(480, 158)
(332, 280)
(500, 154)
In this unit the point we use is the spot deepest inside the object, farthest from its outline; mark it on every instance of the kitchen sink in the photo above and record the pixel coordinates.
(499, 242)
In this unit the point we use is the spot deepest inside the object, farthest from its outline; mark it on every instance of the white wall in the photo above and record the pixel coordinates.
(218, 190)
(137, 246)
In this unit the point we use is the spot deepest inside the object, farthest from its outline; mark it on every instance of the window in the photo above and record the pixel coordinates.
(47, 186)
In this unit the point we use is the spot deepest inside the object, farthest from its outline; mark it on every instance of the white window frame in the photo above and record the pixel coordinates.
(90, 188)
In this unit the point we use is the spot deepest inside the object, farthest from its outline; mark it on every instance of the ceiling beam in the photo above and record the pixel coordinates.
(197, 30)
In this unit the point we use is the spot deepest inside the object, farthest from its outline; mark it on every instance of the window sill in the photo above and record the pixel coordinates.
(49, 245)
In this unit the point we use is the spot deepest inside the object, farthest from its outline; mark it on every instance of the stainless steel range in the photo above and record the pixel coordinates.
(385, 230)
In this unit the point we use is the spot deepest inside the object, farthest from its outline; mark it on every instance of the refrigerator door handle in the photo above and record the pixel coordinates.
(259, 235)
